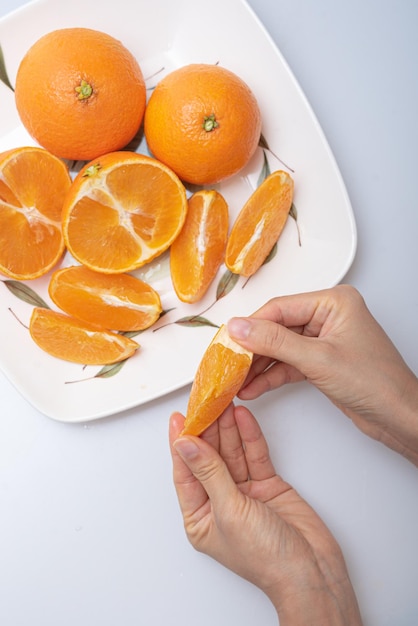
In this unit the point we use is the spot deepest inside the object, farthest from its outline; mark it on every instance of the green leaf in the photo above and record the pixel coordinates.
(265, 170)
(271, 254)
(166, 311)
(25, 293)
(3, 73)
(134, 333)
(226, 284)
(294, 214)
(195, 321)
(263, 144)
(108, 371)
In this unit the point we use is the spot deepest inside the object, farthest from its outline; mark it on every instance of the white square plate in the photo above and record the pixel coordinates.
(171, 35)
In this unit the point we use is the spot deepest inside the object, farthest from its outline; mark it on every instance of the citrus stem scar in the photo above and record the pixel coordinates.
(84, 90)
(92, 170)
(209, 123)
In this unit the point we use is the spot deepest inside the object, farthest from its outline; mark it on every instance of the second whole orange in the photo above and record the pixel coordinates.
(204, 122)
(80, 93)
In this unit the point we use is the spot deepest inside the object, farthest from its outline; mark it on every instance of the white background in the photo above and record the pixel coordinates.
(90, 531)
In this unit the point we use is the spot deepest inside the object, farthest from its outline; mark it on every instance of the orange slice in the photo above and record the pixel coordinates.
(259, 224)
(33, 185)
(197, 253)
(71, 340)
(123, 210)
(115, 302)
(220, 375)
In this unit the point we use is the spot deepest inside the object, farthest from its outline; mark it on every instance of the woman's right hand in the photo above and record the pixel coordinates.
(331, 339)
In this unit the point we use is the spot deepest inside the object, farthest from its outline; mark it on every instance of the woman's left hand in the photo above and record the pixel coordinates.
(239, 511)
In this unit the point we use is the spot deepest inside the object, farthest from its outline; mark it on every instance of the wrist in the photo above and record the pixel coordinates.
(321, 595)
(401, 432)
(320, 607)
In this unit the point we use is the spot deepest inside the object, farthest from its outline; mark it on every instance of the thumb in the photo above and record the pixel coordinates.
(273, 340)
(207, 467)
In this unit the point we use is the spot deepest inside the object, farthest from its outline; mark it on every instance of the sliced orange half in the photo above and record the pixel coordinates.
(33, 185)
(70, 339)
(259, 224)
(198, 251)
(114, 302)
(122, 211)
(220, 375)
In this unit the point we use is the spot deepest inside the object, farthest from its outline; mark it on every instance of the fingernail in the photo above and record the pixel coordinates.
(239, 327)
(186, 448)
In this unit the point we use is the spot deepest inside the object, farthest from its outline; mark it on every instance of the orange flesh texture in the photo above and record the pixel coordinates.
(33, 185)
(116, 302)
(49, 106)
(219, 376)
(72, 340)
(198, 251)
(125, 214)
(211, 156)
(259, 224)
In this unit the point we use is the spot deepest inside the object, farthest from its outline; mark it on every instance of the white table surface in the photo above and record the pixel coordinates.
(90, 531)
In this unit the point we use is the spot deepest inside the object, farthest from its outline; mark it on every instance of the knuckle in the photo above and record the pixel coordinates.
(207, 471)
(273, 339)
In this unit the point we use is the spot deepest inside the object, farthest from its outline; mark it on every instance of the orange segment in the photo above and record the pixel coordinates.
(123, 210)
(67, 338)
(220, 375)
(116, 302)
(259, 224)
(197, 253)
(33, 185)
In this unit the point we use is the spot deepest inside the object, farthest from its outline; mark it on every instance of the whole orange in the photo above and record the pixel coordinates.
(203, 121)
(80, 93)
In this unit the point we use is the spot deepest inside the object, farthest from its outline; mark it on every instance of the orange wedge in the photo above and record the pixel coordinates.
(123, 210)
(259, 224)
(33, 185)
(220, 375)
(198, 251)
(114, 302)
(71, 340)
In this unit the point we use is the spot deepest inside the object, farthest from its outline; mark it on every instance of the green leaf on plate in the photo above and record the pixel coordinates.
(265, 170)
(25, 293)
(294, 214)
(226, 284)
(108, 371)
(271, 254)
(3, 73)
(134, 333)
(263, 144)
(195, 321)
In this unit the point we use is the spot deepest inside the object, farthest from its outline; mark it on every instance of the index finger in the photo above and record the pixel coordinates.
(260, 466)
(303, 313)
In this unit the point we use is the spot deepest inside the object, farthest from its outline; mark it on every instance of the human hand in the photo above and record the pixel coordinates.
(240, 512)
(331, 339)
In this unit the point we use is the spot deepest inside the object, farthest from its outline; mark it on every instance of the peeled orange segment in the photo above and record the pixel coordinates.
(33, 185)
(259, 224)
(197, 253)
(220, 375)
(69, 339)
(122, 211)
(113, 302)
